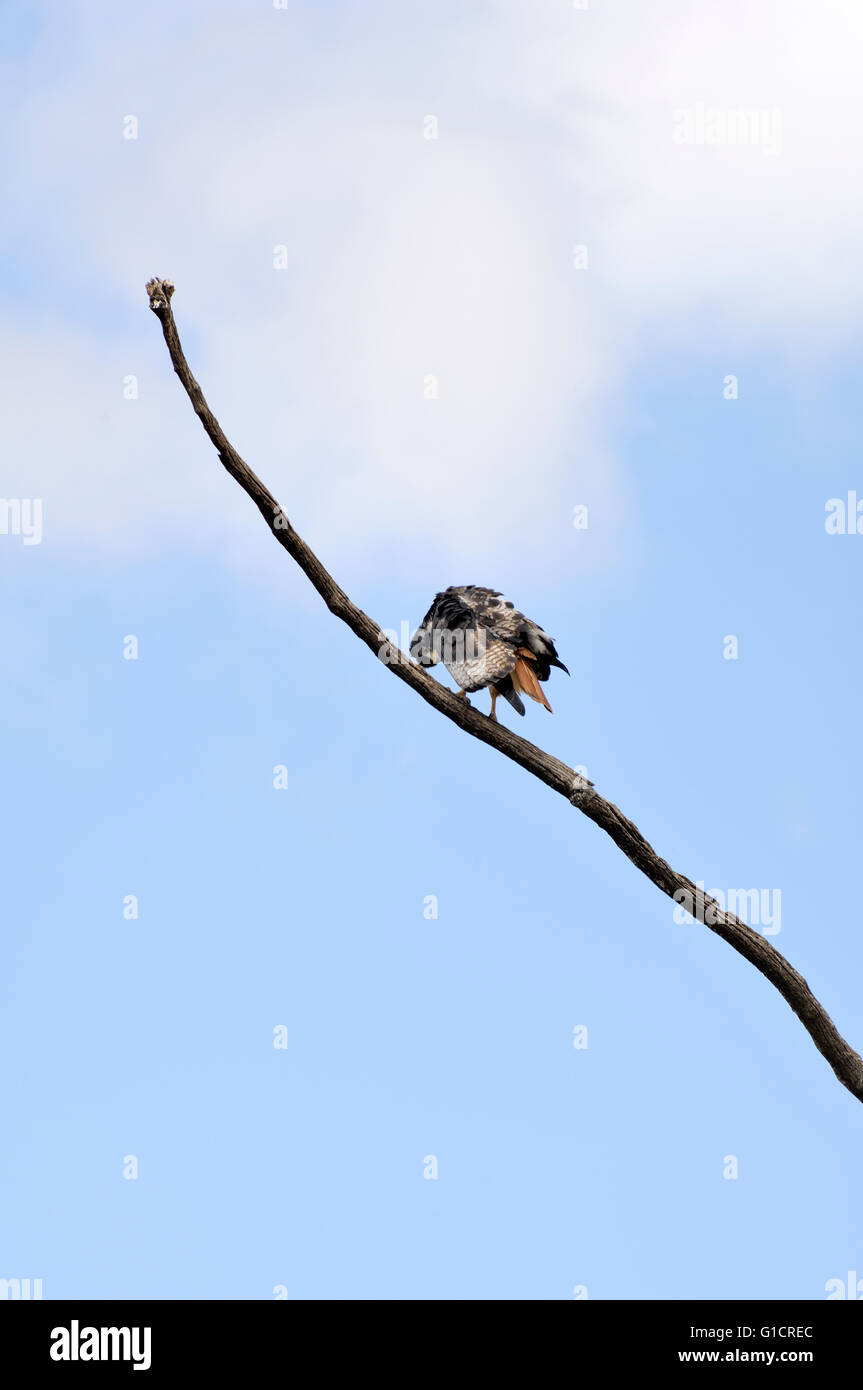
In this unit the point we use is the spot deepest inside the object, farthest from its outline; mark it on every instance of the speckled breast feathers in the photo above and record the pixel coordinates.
(484, 641)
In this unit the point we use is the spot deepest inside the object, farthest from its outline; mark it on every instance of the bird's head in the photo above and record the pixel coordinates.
(424, 647)
(425, 643)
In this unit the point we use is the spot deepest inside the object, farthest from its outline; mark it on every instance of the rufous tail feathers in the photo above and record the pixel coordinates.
(524, 678)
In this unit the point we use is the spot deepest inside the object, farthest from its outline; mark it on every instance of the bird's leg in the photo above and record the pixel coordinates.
(493, 694)
(462, 695)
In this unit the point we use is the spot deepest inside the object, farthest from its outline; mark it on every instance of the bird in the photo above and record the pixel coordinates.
(484, 641)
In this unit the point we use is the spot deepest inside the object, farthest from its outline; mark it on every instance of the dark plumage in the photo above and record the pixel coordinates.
(483, 640)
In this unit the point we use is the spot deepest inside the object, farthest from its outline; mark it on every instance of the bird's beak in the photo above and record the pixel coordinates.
(420, 650)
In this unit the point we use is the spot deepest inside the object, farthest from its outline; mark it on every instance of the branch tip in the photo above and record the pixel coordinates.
(160, 292)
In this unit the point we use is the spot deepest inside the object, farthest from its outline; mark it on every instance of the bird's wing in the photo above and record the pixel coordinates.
(508, 624)
(481, 647)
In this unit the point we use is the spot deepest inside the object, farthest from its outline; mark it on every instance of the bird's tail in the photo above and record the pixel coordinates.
(505, 688)
(524, 678)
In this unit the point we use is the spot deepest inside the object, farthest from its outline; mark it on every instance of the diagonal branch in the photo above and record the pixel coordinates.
(846, 1063)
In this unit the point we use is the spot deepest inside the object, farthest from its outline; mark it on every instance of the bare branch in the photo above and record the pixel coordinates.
(846, 1063)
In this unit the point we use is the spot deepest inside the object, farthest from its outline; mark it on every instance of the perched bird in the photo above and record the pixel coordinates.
(483, 640)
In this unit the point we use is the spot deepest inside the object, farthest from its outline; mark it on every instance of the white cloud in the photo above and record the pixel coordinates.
(410, 258)
(765, 239)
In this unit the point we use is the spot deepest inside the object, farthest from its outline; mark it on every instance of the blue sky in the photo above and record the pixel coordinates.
(407, 258)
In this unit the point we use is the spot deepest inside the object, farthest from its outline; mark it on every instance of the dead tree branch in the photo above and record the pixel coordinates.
(846, 1063)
